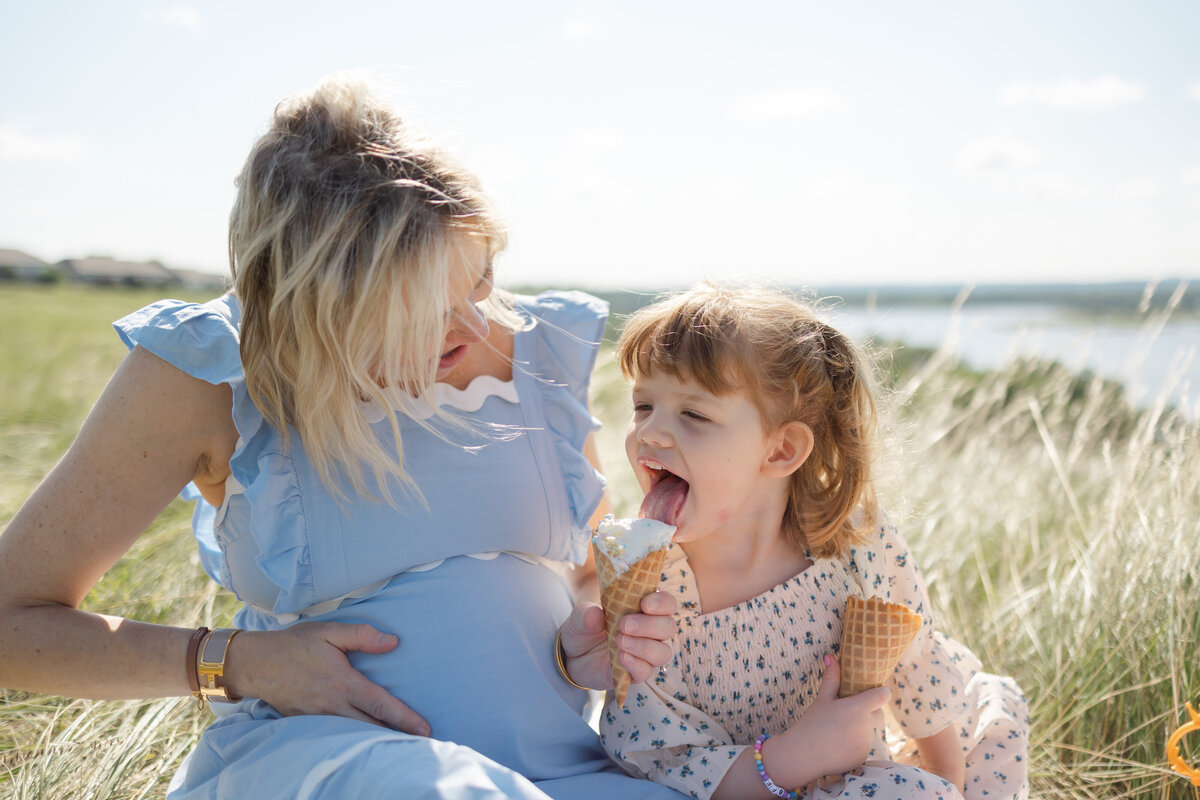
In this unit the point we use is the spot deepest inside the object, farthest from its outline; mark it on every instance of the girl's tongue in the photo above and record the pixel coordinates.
(664, 500)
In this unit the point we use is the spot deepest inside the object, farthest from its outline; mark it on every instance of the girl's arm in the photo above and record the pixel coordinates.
(834, 736)
(153, 430)
(942, 754)
(929, 683)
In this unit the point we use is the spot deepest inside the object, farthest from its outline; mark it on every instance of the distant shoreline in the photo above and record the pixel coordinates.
(1118, 298)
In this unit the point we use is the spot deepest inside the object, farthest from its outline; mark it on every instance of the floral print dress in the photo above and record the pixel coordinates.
(755, 667)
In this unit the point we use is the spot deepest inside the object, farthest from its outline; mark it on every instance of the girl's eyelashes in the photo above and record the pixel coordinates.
(695, 415)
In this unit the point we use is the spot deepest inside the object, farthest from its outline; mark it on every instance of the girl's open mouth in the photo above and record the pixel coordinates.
(665, 498)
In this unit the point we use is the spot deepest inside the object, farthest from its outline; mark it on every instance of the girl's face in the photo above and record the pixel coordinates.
(701, 459)
(471, 282)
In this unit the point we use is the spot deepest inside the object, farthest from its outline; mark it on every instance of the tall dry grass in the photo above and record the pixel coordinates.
(1058, 527)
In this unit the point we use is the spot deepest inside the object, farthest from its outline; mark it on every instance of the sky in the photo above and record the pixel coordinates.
(646, 144)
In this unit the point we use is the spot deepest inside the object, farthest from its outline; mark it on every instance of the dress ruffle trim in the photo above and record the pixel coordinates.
(568, 327)
(468, 400)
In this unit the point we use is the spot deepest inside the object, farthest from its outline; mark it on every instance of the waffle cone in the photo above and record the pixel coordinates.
(621, 595)
(875, 635)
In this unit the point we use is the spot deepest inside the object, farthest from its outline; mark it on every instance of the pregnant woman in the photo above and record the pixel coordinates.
(394, 473)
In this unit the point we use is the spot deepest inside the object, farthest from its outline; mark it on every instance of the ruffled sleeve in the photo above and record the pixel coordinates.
(201, 340)
(930, 680)
(559, 354)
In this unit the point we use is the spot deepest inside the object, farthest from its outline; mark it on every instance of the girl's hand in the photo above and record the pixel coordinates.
(834, 736)
(643, 641)
(304, 670)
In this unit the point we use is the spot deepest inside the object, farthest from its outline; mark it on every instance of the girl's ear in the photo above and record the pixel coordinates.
(790, 447)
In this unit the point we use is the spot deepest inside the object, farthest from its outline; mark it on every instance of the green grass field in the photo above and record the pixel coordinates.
(1059, 531)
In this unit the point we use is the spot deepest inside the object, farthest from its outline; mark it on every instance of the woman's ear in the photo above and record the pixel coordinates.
(790, 447)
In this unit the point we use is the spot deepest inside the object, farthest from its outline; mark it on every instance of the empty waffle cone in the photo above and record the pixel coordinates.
(622, 594)
(875, 635)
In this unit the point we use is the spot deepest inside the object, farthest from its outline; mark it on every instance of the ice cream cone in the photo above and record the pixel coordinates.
(621, 594)
(875, 635)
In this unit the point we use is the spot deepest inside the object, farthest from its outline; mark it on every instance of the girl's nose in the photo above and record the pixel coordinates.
(652, 432)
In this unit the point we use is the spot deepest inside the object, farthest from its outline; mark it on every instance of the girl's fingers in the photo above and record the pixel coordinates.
(640, 670)
(648, 626)
(873, 699)
(650, 652)
(659, 603)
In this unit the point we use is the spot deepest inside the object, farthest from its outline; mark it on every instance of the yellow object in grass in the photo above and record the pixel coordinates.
(1176, 760)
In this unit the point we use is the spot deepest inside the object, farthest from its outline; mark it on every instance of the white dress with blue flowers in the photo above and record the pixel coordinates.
(755, 667)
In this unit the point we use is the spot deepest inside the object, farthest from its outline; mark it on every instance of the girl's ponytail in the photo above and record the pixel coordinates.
(836, 480)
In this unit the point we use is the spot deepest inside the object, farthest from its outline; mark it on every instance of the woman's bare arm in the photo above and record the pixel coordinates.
(152, 431)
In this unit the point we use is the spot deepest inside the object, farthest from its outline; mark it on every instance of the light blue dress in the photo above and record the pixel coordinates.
(473, 584)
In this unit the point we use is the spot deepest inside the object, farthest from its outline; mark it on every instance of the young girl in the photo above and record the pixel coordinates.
(753, 430)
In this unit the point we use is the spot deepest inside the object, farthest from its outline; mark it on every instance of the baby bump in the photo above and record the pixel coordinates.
(476, 660)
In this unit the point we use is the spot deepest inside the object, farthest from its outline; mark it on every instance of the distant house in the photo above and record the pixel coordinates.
(16, 265)
(104, 271)
(203, 281)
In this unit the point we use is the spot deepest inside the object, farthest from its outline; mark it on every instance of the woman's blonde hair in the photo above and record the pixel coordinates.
(794, 367)
(341, 242)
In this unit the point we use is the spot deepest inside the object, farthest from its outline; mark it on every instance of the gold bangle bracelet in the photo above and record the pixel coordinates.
(560, 658)
(210, 665)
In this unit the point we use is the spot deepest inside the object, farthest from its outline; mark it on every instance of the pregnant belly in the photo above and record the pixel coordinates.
(476, 660)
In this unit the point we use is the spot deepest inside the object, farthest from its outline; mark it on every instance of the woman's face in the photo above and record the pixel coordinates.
(471, 281)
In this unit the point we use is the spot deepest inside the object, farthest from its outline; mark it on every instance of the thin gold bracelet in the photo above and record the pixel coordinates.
(560, 658)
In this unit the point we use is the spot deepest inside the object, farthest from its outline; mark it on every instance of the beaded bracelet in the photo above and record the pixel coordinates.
(772, 787)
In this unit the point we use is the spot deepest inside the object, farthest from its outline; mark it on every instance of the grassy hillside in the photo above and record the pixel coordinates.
(1058, 529)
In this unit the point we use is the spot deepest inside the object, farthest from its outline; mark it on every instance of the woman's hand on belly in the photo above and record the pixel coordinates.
(642, 642)
(304, 670)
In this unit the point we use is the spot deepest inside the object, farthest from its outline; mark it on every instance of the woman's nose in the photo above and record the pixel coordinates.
(471, 325)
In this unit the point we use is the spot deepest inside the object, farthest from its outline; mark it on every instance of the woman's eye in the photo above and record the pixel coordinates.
(485, 285)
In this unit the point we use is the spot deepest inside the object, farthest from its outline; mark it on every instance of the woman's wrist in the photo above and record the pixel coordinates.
(206, 664)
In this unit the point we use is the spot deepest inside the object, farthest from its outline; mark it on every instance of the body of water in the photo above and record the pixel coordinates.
(1150, 359)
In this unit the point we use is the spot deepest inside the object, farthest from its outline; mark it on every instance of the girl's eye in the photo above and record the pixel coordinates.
(641, 406)
(695, 416)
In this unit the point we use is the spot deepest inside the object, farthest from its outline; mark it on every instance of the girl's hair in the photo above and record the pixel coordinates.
(794, 367)
(342, 239)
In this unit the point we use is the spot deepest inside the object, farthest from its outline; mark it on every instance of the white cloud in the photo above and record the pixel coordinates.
(1194, 91)
(1191, 175)
(583, 28)
(1051, 183)
(1137, 189)
(784, 104)
(1098, 94)
(175, 15)
(999, 154)
(18, 146)
(598, 141)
